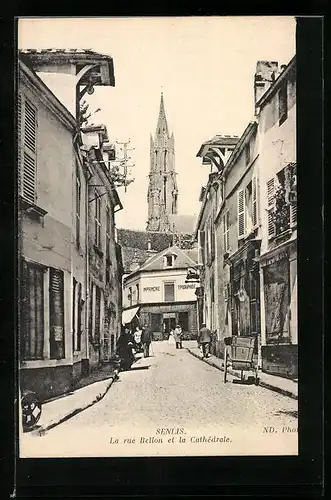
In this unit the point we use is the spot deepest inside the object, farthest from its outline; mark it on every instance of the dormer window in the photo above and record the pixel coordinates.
(169, 260)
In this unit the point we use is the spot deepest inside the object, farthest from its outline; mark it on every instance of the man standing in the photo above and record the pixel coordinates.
(178, 337)
(204, 339)
(146, 339)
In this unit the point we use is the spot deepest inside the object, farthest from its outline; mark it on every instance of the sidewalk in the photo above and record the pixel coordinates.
(281, 385)
(58, 410)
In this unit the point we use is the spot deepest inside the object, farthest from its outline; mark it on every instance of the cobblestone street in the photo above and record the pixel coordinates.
(173, 389)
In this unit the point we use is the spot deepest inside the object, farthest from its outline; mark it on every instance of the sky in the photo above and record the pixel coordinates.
(205, 67)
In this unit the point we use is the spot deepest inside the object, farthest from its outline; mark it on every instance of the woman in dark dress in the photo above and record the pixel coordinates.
(125, 344)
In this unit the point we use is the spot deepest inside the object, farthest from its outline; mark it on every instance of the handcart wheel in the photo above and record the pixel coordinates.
(225, 364)
(31, 410)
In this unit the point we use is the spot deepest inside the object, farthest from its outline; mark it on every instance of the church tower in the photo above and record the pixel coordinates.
(162, 196)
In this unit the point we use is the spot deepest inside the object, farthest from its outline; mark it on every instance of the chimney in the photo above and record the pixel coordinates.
(266, 74)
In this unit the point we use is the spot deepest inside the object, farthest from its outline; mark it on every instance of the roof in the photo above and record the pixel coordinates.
(104, 63)
(183, 259)
(219, 140)
(182, 223)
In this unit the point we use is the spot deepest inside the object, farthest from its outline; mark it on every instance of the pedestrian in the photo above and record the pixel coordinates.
(178, 336)
(171, 339)
(124, 349)
(137, 338)
(204, 340)
(146, 339)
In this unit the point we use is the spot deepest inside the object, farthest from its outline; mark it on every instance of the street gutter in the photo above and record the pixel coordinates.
(265, 385)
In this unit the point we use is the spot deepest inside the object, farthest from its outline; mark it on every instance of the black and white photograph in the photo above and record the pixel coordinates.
(157, 236)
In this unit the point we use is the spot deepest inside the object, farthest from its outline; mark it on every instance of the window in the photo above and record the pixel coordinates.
(282, 204)
(138, 292)
(97, 314)
(156, 322)
(255, 207)
(56, 309)
(108, 229)
(169, 292)
(282, 102)
(241, 213)
(78, 204)
(130, 296)
(27, 148)
(201, 240)
(97, 219)
(32, 311)
(226, 231)
(169, 260)
(77, 311)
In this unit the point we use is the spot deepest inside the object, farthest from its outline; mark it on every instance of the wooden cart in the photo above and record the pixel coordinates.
(238, 354)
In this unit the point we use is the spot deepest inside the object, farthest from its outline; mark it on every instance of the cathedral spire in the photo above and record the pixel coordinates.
(162, 125)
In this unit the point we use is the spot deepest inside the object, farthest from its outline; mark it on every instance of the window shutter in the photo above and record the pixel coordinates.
(29, 159)
(224, 232)
(254, 202)
(241, 213)
(293, 215)
(57, 313)
(227, 230)
(271, 201)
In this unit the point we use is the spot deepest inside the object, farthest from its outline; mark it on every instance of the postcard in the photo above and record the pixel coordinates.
(157, 236)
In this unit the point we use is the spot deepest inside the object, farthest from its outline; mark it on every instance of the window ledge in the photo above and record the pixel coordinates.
(31, 207)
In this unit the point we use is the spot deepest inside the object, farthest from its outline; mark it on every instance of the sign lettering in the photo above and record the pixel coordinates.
(185, 287)
(152, 289)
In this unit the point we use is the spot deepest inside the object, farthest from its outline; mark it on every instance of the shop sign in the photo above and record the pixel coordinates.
(58, 333)
(185, 287)
(151, 289)
(275, 258)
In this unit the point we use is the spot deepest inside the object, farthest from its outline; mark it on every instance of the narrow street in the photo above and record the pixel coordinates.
(174, 390)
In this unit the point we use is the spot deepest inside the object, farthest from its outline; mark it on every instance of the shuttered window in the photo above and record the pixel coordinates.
(201, 247)
(56, 309)
(97, 313)
(254, 202)
(271, 202)
(226, 231)
(27, 148)
(97, 219)
(293, 215)
(31, 324)
(169, 292)
(241, 213)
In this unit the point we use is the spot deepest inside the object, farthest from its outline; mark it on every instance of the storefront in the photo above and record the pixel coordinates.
(160, 318)
(245, 292)
(279, 336)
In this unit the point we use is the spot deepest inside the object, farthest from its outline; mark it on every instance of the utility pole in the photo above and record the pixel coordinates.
(125, 159)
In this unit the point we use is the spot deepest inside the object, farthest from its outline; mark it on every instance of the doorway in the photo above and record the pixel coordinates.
(169, 323)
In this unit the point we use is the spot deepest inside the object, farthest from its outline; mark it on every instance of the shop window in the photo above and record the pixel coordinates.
(56, 309)
(169, 292)
(156, 322)
(32, 311)
(183, 321)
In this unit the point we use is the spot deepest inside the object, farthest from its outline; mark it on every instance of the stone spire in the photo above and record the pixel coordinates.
(162, 190)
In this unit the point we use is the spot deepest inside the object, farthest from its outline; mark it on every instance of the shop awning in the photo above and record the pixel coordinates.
(128, 315)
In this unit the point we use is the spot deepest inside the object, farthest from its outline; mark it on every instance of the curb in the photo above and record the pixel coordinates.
(43, 429)
(265, 385)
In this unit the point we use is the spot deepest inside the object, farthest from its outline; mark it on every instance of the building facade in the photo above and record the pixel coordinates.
(252, 218)
(278, 194)
(54, 175)
(156, 294)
